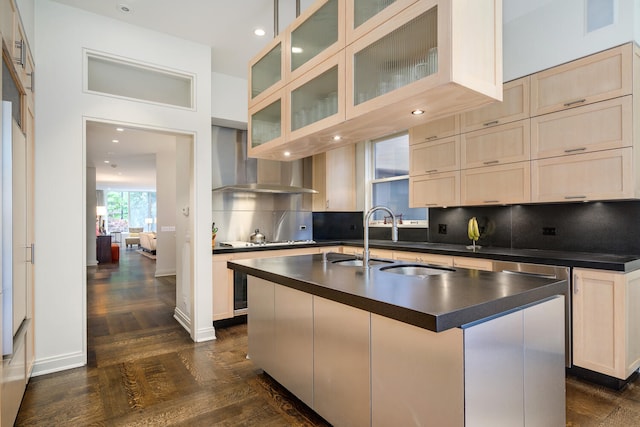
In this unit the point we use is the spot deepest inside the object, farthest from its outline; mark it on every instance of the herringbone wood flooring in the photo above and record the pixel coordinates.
(144, 370)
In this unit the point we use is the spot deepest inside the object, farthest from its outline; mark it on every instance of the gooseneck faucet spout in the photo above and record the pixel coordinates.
(394, 231)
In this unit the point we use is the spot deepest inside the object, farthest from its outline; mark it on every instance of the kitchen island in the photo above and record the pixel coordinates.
(370, 347)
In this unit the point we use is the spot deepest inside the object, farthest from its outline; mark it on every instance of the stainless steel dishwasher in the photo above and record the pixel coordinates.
(550, 272)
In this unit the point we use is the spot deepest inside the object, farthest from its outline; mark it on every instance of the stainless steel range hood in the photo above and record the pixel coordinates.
(233, 171)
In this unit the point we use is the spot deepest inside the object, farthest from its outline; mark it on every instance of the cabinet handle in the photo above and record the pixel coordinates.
(491, 201)
(32, 76)
(431, 204)
(579, 101)
(431, 138)
(431, 171)
(574, 197)
(573, 150)
(491, 123)
(327, 206)
(492, 162)
(575, 283)
(21, 59)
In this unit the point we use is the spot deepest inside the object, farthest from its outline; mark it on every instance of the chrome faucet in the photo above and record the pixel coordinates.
(394, 231)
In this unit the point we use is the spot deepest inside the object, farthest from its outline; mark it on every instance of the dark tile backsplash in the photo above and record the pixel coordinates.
(603, 227)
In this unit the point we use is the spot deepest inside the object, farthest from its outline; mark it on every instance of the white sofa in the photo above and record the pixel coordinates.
(148, 242)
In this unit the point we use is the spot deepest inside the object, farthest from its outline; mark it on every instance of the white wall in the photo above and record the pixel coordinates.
(544, 33)
(61, 34)
(229, 101)
(166, 212)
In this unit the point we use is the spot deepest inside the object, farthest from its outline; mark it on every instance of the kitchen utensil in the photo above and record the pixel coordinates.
(256, 237)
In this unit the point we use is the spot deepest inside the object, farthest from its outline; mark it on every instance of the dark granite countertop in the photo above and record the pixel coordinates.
(437, 302)
(612, 262)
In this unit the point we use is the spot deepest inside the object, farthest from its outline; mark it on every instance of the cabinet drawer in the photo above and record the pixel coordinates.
(442, 128)
(442, 189)
(599, 126)
(507, 143)
(594, 78)
(600, 175)
(514, 106)
(500, 184)
(473, 263)
(442, 155)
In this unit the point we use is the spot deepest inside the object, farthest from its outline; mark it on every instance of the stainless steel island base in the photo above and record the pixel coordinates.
(507, 370)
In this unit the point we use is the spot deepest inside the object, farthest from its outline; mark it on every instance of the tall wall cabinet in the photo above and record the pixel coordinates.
(17, 320)
(564, 134)
(337, 71)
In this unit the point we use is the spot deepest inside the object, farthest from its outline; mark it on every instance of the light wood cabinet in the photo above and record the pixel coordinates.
(442, 155)
(222, 277)
(365, 15)
(514, 107)
(502, 184)
(435, 190)
(502, 144)
(9, 20)
(373, 252)
(436, 129)
(454, 64)
(601, 175)
(334, 179)
(432, 259)
(597, 77)
(473, 263)
(265, 127)
(600, 126)
(606, 321)
(267, 69)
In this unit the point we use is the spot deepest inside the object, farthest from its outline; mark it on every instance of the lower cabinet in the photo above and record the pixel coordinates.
(356, 368)
(473, 263)
(341, 363)
(14, 378)
(606, 321)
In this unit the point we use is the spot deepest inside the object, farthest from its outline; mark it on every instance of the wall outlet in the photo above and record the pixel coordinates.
(548, 231)
(442, 228)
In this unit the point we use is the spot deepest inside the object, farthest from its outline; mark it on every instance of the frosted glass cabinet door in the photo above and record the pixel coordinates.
(403, 56)
(365, 15)
(266, 71)
(316, 37)
(318, 96)
(265, 122)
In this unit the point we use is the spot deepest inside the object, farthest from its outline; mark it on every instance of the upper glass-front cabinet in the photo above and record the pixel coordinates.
(266, 70)
(401, 57)
(316, 36)
(365, 15)
(265, 122)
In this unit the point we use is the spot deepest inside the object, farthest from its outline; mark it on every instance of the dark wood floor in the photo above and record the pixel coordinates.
(144, 370)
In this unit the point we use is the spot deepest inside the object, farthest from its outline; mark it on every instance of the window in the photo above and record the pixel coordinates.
(131, 209)
(390, 179)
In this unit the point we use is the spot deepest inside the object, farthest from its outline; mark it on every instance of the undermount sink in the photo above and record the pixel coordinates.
(416, 270)
(359, 263)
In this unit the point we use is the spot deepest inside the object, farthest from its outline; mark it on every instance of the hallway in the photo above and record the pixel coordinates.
(143, 369)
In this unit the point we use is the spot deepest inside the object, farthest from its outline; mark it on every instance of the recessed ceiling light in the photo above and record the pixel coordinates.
(287, 153)
(124, 8)
(106, 161)
(296, 49)
(260, 32)
(115, 141)
(417, 112)
(120, 129)
(337, 138)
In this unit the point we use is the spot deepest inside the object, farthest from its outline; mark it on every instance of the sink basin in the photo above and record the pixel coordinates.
(358, 262)
(416, 270)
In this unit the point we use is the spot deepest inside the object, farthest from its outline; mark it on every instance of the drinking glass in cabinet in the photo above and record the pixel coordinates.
(266, 72)
(315, 100)
(401, 57)
(265, 124)
(313, 36)
(366, 9)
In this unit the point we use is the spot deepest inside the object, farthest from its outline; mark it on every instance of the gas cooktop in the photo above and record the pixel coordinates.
(240, 244)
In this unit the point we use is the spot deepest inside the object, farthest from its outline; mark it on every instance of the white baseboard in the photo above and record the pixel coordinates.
(161, 273)
(58, 363)
(203, 334)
